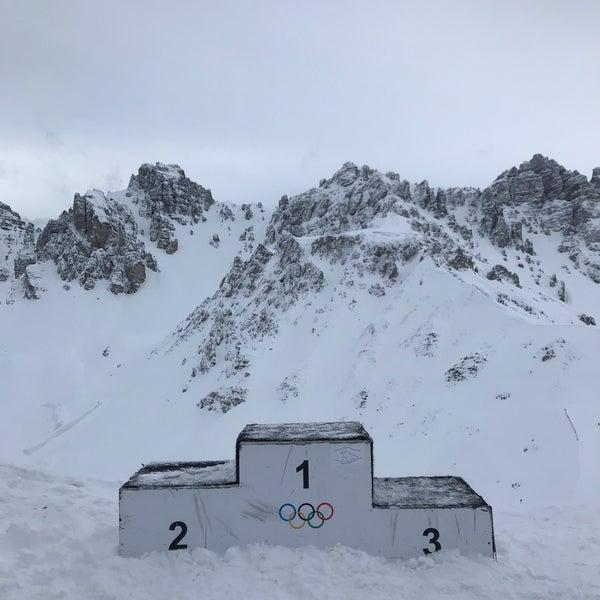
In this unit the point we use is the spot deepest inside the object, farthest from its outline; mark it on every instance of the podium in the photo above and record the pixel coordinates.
(300, 484)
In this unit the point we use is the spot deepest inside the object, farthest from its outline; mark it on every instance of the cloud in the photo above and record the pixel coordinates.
(259, 99)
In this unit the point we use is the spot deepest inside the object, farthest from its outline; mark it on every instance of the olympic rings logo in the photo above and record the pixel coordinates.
(315, 513)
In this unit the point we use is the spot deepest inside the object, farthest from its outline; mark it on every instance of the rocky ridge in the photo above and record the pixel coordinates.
(541, 195)
(17, 248)
(163, 195)
(96, 239)
(105, 237)
(358, 231)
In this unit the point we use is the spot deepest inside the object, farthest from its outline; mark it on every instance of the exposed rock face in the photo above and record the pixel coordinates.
(101, 236)
(246, 304)
(164, 194)
(541, 194)
(363, 255)
(558, 347)
(359, 226)
(430, 200)
(538, 181)
(501, 273)
(348, 201)
(10, 220)
(368, 223)
(587, 319)
(224, 399)
(96, 239)
(466, 368)
(17, 251)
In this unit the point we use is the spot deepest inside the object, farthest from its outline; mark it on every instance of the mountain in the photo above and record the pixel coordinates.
(17, 246)
(105, 236)
(458, 325)
(362, 233)
(153, 323)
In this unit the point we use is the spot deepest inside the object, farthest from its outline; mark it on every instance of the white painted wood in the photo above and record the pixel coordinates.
(218, 512)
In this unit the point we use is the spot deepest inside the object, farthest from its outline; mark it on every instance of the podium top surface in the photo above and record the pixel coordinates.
(346, 431)
(184, 474)
(424, 492)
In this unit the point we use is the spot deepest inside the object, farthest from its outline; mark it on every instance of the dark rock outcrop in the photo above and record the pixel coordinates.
(466, 368)
(501, 273)
(164, 194)
(101, 236)
(348, 201)
(542, 194)
(587, 320)
(9, 219)
(224, 399)
(17, 248)
(96, 239)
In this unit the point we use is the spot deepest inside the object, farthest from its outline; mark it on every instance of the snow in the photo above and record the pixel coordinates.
(85, 404)
(185, 474)
(60, 540)
(424, 492)
(347, 430)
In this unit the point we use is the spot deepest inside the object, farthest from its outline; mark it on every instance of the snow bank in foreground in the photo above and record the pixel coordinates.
(60, 541)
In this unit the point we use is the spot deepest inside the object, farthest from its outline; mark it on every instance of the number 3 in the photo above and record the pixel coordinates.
(435, 536)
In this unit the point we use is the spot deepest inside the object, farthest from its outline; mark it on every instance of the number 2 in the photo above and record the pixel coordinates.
(304, 468)
(175, 545)
(435, 536)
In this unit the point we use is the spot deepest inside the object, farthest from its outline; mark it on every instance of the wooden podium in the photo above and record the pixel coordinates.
(300, 484)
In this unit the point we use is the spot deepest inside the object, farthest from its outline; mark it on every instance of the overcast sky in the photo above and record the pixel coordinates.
(257, 99)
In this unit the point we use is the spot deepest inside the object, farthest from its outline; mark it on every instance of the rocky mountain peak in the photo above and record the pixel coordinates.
(9, 219)
(353, 236)
(17, 251)
(346, 202)
(167, 189)
(542, 195)
(361, 232)
(100, 236)
(103, 236)
(164, 194)
(538, 180)
(346, 176)
(96, 239)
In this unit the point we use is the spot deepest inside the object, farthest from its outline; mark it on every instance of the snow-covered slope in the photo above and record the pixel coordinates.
(360, 299)
(61, 355)
(60, 541)
(457, 325)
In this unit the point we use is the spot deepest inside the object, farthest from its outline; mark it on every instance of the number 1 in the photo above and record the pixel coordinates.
(304, 468)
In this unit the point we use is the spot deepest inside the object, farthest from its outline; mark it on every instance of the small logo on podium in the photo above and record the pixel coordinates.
(347, 455)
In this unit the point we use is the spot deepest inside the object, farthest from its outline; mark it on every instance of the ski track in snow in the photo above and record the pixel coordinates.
(60, 540)
(60, 430)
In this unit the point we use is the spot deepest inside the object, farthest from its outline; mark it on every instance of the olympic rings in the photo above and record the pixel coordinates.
(306, 518)
(312, 511)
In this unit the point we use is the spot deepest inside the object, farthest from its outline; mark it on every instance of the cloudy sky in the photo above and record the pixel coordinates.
(255, 99)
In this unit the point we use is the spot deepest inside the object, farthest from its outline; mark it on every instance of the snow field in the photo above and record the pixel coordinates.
(83, 396)
(60, 538)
